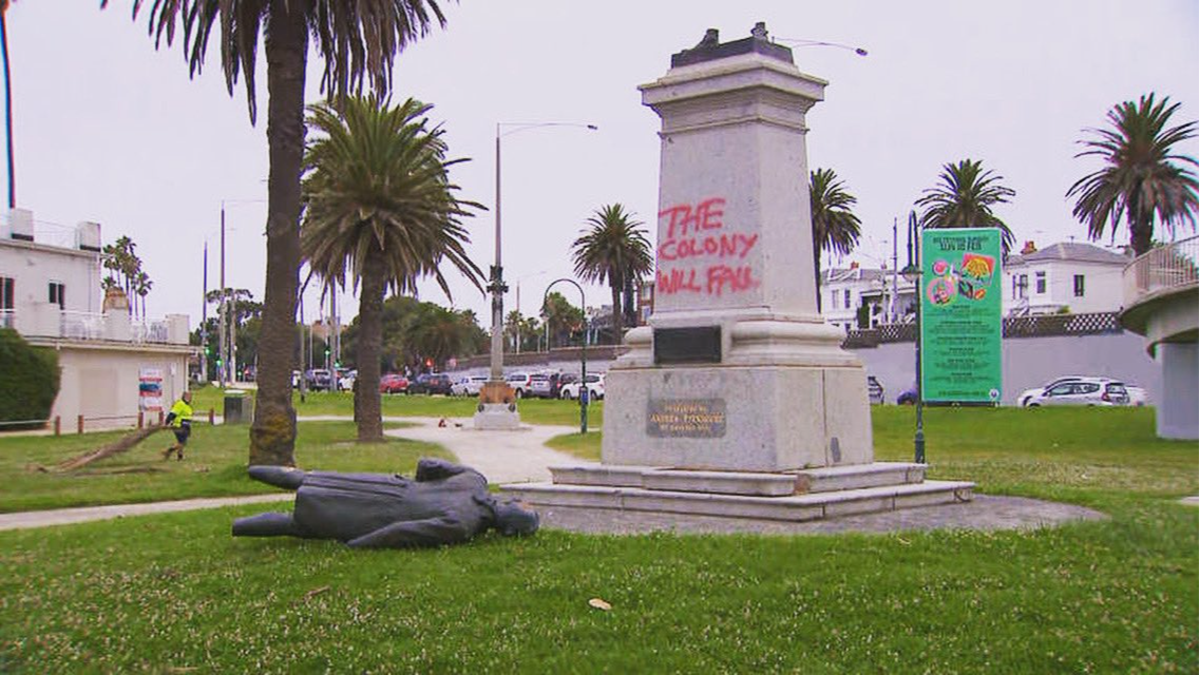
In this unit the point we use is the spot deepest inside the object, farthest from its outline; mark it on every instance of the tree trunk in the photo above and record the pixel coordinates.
(817, 274)
(1141, 235)
(273, 434)
(618, 325)
(370, 343)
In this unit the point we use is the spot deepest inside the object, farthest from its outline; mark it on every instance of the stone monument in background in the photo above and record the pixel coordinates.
(737, 399)
(737, 369)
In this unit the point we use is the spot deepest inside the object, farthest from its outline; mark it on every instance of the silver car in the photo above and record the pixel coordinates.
(1085, 391)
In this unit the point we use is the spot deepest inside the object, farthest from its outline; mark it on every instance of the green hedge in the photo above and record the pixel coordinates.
(29, 380)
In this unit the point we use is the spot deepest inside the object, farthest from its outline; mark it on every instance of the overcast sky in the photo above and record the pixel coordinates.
(110, 130)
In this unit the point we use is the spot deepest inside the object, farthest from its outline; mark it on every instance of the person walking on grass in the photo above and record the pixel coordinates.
(180, 421)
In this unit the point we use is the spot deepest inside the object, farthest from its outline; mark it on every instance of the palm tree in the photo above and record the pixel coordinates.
(355, 39)
(615, 250)
(380, 208)
(964, 198)
(835, 228)
(1138, 181)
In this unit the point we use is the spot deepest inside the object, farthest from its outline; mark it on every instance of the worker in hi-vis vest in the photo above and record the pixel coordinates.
(180, 421)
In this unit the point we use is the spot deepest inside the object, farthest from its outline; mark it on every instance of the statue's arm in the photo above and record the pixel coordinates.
(437, 469)
(412, 533)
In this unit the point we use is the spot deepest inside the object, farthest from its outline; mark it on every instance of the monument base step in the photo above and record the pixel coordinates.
(796, 507)
(745, 483)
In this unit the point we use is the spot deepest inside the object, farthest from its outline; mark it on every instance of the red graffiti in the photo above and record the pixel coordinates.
(724, 245)
(733, 279)
(699, 221)
(676, 281)
(706, 216)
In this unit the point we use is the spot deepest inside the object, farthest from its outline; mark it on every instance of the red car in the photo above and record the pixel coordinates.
(393, 383)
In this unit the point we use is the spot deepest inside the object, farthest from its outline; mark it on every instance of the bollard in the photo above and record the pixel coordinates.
(211, 417)
(141, 419)
(57, 425)
(81, 424)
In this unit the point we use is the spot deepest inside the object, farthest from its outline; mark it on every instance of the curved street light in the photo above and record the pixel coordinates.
(496, 285)
(583, 390)
(912, 273)
(819, 43)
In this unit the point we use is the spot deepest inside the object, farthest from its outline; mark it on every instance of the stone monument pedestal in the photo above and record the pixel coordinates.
(497, 409)
(737, 399)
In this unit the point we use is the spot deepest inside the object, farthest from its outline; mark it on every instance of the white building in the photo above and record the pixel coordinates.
(887, 295)
(1063, 277)
(111, 366)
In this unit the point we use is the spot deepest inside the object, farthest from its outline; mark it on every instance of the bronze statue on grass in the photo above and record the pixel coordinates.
(444, 504)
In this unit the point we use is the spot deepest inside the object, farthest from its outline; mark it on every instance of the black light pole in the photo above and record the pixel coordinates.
(583, 390)
(912, 272)
(8, 121)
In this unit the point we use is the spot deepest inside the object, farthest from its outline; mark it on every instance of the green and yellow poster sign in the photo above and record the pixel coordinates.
(961, 328)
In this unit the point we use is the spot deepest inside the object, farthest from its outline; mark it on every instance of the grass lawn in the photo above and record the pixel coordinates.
(176, 593)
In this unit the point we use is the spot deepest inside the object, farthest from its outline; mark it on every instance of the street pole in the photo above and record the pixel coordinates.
(222, 356)
(497, 287)
(204, 320)
(915, 270)
(583, 389)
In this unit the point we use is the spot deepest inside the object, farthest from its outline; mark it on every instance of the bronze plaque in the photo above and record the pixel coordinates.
(686, 418)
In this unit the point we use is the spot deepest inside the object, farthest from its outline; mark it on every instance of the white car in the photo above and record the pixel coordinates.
(468, 386)
(1091, 391)
(595, 388)
(1027, 395)
(520, 384)
(346, 381)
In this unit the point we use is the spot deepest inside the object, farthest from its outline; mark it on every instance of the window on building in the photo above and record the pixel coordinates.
(1020, 286)
(6, 293)
(1040, 281)
(846, 297)
(1079, 285)
(57, 293)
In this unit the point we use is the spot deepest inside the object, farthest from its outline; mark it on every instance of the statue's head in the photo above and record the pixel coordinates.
(512, 520)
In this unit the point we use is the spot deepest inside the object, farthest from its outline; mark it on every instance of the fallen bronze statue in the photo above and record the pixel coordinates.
(444, 504)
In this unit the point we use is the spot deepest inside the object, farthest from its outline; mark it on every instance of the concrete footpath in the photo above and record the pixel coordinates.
(504, 457)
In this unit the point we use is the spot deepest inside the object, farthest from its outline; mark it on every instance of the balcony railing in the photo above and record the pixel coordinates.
(1162, 269)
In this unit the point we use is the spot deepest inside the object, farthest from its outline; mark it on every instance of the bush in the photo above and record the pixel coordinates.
(28, 381)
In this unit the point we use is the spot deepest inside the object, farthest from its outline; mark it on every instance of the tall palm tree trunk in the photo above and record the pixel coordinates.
(370, 343)
(273, 434)
(817, 274)
(618, 324)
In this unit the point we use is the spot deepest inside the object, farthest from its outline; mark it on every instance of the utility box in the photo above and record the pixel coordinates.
(239, 407)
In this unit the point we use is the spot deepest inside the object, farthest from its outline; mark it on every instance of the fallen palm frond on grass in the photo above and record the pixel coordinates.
(104, 452)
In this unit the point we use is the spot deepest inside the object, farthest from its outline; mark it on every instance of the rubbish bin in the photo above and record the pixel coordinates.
(239, 408)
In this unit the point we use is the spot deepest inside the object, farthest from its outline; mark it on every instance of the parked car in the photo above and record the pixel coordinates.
(468, 386)
(908, 396)
(520, 383)
(874, 390)
(545, 385)
(393, 383)
(431, 383)
(319, 379)
(1091, 391)
(1134, 395)
(595, 387)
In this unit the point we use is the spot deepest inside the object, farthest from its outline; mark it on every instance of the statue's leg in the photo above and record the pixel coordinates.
(266, 525)
(279, 476)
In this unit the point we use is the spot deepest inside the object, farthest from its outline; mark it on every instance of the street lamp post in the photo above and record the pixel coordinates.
(496, 392)
(819, 43)
(912, 273)
(583, 390)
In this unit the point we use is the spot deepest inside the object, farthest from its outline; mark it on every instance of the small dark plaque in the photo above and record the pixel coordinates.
(701, 344)
(685, 418)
